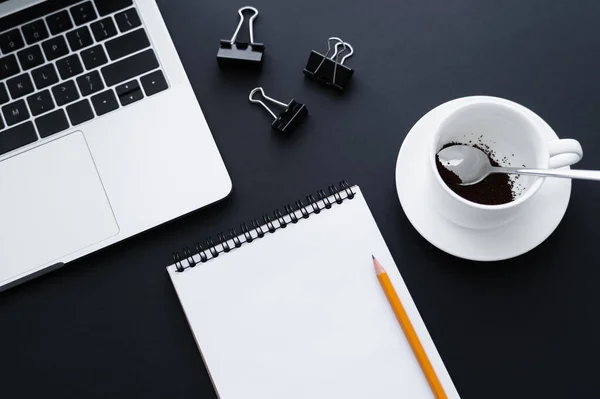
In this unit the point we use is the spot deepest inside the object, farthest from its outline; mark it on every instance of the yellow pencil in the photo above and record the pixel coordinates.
(409, 331)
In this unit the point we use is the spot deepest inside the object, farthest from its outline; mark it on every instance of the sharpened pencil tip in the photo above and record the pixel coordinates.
(373, 256)
(378, 268)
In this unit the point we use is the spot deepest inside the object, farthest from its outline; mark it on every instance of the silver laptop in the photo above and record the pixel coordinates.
(101, 136)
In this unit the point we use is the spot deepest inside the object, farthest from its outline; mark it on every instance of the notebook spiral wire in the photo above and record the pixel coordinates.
(227, 242)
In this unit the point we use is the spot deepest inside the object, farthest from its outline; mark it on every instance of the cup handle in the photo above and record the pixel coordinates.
(564, 152)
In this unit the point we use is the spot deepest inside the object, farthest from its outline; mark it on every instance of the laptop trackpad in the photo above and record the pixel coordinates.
(52, 203)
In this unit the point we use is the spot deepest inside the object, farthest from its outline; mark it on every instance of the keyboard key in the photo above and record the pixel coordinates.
(83, 13)
(127, 44)
(59, 22)
(30, 57)
(16, 137)
(55, 48)
(52, 123)
(80, 38)
(104, 29)
(9, 66)
(105, 102)
(129, 68)
(35, 31)
(90, 83)
(126, 88)
(40, 102)
(44, 76)
(65, 93)
(80, 112)
(129, 92)
(132, 97)
(3, 94)
(128, 20)
(11, 41)
(154, 83)
(15, 113)
(69, 66)
(106, 7)
(20, 86)
(94, 57)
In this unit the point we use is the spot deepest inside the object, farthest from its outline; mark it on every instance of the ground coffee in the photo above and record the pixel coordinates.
(496, 189)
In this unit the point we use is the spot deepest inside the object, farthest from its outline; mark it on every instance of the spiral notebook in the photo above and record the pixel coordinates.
(291, 307)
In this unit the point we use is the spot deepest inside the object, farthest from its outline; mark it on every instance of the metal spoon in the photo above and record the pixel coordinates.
(472, 166)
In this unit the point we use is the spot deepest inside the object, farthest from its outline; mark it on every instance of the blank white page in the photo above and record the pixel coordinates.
(300, 314)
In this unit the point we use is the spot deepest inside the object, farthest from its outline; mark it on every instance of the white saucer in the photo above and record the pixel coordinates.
(538, 219)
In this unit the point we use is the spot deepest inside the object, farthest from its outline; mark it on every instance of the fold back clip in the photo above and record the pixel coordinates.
(287, 120)
(330, 70)
(234, 53)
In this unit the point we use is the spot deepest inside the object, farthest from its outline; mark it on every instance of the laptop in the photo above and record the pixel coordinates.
(101, 136)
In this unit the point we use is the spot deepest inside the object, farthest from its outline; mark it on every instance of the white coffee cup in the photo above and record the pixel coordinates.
(508, 131)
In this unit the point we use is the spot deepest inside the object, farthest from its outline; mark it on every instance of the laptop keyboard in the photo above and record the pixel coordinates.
(71, 65)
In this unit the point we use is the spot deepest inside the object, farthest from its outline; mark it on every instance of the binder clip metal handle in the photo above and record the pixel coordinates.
(335, 54)
(347, 46)
(329, 70)
(293, 114)
(250, 23)
(235, 53)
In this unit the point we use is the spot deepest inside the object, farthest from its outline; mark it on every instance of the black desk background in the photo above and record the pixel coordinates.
(110, 325)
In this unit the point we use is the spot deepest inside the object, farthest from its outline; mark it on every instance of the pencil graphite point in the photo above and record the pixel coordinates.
(378, 268)
(373, 256)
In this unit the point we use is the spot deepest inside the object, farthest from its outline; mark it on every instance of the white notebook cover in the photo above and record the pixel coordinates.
(300, 314)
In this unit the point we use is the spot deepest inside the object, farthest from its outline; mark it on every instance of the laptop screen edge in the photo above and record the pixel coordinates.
(10, 6)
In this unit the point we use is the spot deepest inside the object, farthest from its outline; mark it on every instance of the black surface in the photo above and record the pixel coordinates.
(110, 325)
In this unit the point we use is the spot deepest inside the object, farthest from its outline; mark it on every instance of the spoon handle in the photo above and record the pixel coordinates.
(566, 174)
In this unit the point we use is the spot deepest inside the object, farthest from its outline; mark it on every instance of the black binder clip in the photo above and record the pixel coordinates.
(328, 70)
(234, 53)
(286, 121)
